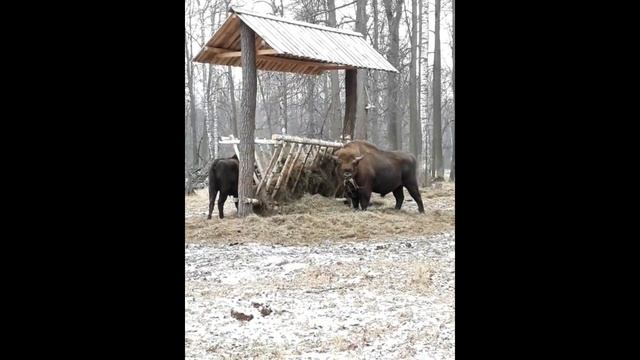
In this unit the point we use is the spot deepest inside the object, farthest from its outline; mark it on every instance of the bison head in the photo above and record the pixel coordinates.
(347, 162)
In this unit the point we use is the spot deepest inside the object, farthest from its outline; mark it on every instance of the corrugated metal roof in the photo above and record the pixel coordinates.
(292, 46)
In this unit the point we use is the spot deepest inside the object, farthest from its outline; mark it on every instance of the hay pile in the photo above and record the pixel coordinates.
(318, 178)
(314, 219)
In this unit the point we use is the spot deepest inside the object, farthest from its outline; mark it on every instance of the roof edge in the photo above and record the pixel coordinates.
(238, 10)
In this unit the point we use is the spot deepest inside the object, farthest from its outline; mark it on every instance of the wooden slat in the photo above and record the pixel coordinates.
(234, 54)
(283, 60)
(216, 50)
(226, 140)
(269, 173)
(303, 140)
(295, 159)
(299, 173)
(285, 169)
(276, 165)
(337, 67)
(323, 150)
(258, 162)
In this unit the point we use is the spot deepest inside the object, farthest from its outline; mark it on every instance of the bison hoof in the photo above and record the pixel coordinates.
(209, 217)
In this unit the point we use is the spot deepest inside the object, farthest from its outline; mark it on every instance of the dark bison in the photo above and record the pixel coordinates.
(366, 169)
(223, 177)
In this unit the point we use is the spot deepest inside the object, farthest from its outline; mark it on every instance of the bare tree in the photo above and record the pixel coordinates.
(266, 106)
(415, 136)
(335, 113)
(361, 116)
(452, 175)
(248, 122)
(232, 96)
(192, 104)
(373, 113)
(437, 110)
(394, 122)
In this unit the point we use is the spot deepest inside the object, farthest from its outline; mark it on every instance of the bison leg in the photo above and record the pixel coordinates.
(212, 201)
(365, 196)
(236, 199)
(399, 194)
(415, 194)
(221, 200)
(355, 201)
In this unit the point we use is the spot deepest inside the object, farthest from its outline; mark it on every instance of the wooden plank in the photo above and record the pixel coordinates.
(276, 165)
(319, 156)
(337, 67)
(306, 156)
(258, 161)
(229, 141)
(234, 54)
(295, 159)
(283, 60)
(277, 152)
(298, 139)
(216, 50)
(284, 170)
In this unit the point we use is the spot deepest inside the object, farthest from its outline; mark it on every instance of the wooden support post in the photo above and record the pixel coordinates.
(247, 127)
(351, 94)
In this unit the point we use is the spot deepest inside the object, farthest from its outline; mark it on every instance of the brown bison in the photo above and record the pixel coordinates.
(223, 178)
(366, 169)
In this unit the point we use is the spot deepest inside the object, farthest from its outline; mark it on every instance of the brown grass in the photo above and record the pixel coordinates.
(313, 219)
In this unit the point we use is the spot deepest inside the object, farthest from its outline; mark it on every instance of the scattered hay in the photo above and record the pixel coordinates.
(422, 277)
(313, 219)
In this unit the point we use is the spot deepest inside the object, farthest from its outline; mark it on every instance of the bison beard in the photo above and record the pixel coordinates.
(367, 169)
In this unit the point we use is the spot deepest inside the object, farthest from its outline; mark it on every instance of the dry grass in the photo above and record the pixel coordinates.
(313, 219)
(422, 276)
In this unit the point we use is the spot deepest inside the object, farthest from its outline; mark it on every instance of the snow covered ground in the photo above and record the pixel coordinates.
(378, 299)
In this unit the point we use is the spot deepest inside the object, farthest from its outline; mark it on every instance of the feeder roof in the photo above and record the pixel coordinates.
(291, 46)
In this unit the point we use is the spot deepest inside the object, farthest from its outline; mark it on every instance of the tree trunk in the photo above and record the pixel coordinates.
(452, 175)
(394, 123)
(311, 126)
(232, 95)
(419, 92)
(246, 147)
(266, 106)
(335, 111)
(373, 113)
(205, 91)
(192, 105)
(351, 78)
(415, 136)
(361, 115)
(437, 111)
(428, 147)
(283, 103)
